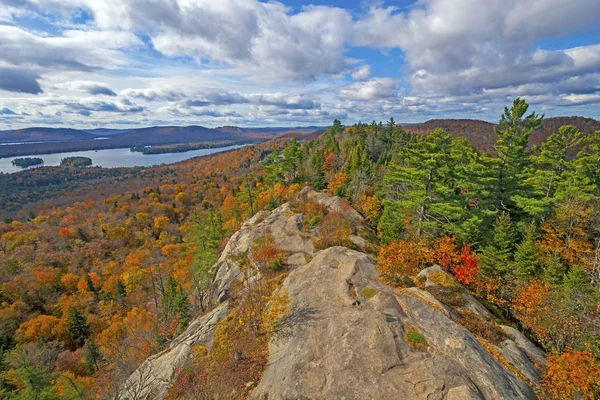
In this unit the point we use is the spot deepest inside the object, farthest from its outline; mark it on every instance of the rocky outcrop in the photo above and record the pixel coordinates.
(349, 336)
(334, 347)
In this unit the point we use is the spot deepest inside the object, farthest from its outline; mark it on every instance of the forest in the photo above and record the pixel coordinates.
(27, 162)
(91, 289)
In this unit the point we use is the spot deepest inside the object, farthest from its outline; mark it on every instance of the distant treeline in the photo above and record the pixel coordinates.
(183, 147)
(75, 162)
(27, 162)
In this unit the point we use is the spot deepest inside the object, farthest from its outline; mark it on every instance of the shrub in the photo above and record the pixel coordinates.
(403, 258)
(572, 373)
(335, 230)
(266, 254)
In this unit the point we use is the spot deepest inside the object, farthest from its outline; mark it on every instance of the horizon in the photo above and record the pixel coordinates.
(85, 64)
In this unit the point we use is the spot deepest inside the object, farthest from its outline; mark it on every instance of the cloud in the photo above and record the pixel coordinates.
(82, 50)
(89, 87)
(19, 80)
(7, 111)
(373, 89)
(96, 90)
(87, 108)
(154, 95)
(362, 73)
(263, 37)
(279, 100)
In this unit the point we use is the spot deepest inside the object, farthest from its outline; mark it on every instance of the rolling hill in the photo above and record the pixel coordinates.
(481, 133)
(45, 135)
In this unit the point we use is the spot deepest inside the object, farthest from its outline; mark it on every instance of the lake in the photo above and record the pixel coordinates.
(114, 158)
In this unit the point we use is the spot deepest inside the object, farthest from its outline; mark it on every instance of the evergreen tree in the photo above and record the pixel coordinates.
(550, 161)
(527, 255)
(91, 356)
(175, 304)
(78, 326)
(513, 133)
(420, 187)
(317, 174)
(498, 255)
(291, 156)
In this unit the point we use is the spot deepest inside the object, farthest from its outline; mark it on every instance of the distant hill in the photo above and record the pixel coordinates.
(45, 135)
(174, 134)
(481, 133)
(106, 132)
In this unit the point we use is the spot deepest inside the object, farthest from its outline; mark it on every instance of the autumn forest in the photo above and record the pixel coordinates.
(104, 268)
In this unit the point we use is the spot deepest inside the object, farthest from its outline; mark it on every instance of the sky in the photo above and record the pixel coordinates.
(132, 63)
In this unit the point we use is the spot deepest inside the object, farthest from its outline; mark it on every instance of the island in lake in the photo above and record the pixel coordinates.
(75, 162)
(27, 162)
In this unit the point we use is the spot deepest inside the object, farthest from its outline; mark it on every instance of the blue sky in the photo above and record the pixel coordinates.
(129, 63)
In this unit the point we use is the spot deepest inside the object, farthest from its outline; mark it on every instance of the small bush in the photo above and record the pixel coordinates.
(480, 327)
(335, 230)
(266, 254)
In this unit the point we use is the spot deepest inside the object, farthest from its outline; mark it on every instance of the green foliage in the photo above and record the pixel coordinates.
(175, 304)
(512, 159)
(497, 255)
(528, 255)
(416, 338)
(75, 162)
(78, 326)
(316, 172)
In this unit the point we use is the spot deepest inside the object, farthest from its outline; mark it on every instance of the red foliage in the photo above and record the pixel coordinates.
(466, 272)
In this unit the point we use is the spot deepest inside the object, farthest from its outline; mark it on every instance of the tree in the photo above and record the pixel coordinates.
(497, 255)
(317, 174)
(550, 161)
(527, 255)
(291, 156)
(78, 326)
(419, 188)
(513, 133)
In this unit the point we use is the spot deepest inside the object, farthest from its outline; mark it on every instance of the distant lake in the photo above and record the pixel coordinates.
(114, 158)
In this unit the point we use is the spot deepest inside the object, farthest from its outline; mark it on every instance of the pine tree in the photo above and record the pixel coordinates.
(291, 156)
(420, 187)
(78, 326)
(513, 133)
(527, 255)
(551, 162)
(497, 255)
(91, 356)
(317, 174)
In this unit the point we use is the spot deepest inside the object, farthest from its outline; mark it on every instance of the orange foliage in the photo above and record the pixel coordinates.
(371, 207)
(339, 180)
(330, 163)
(573, 372)
(446, 253)
(65, 233)
(43, 327)
(403, 258)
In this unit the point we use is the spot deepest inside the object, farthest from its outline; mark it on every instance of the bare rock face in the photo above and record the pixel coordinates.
(346, 338)
(348, 335)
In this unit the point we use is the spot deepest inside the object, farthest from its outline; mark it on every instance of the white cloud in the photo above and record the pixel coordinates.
(373, 89)
(362, 73)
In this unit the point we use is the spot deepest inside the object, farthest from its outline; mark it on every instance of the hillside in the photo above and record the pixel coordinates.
(481, 134)
(366, 263)
(45, 135)
(346, 334)
(55, 140)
